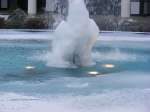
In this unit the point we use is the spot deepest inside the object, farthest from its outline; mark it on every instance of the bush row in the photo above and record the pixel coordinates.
(20, 20)
(29, 23)
(113, 23)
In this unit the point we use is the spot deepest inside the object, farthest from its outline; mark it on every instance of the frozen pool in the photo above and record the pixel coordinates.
(28, 85)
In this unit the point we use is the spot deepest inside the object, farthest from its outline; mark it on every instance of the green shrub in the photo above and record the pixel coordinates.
(2, 23)
(35, 23)
(16, 19)
(14, 25)
(135, 24)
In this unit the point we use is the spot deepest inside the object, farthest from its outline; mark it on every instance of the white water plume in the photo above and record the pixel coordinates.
(74, 38)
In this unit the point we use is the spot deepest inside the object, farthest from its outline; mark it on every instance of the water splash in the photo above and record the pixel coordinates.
(74, 38)
(118, 55)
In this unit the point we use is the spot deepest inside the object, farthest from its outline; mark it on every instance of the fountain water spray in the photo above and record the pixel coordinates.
(74, 38)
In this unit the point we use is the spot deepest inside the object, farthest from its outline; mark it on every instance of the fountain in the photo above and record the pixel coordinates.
(74, 38)
(118, 82)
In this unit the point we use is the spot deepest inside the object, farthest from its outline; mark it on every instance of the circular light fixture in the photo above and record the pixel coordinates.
(30, 67)
(108, 65)
(93, 73)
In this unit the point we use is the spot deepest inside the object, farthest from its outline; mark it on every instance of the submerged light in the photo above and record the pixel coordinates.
(108, 65)
(30, 67)
(93, 73)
